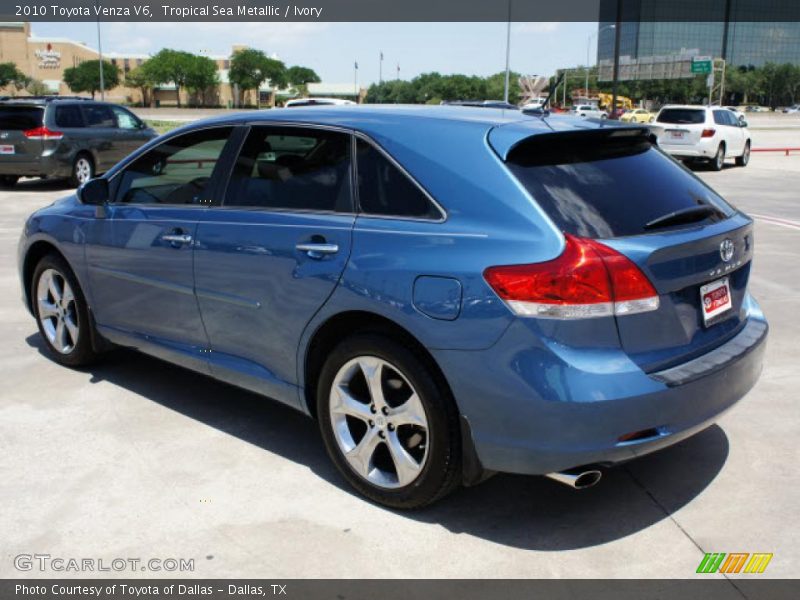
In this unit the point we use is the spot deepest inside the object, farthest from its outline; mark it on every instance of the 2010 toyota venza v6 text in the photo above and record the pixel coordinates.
(449, 291)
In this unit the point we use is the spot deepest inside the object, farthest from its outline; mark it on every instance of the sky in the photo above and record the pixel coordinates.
(332, 48)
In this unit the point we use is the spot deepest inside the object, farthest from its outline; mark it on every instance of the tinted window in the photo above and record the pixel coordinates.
(684, 116)
(721, 117)
(69, 116)
(292, 168)
(20, 118)
(175, 172)
(598, 186)
(99, 115)
(125, 119)
(385, 190)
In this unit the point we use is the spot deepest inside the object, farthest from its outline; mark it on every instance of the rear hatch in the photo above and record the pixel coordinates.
(15, 121)
(614, 186)
(679, 126)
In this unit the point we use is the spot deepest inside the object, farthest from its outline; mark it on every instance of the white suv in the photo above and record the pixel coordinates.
(589, 111)
(708, 133)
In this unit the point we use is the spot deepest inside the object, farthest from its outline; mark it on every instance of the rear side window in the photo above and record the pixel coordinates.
(20, 118)
(293, 169)
(69, 116)
(385, 190)
(683, 116)
(598, 186)
(99, 115)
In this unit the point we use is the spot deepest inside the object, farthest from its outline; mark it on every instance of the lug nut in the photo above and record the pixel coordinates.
(381, 434)
(390, 427)
(385, 410)
(371, 423)
(372, 409)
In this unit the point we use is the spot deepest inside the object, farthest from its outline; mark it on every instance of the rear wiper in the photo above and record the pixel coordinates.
(685, 215)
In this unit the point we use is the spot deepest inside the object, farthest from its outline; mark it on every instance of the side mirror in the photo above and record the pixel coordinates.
(742, 123)
(94, 192)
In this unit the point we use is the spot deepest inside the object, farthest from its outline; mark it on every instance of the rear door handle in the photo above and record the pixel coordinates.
(177, 238)
(317, 249)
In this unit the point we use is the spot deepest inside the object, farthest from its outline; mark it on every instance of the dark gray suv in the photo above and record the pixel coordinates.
(65, 137)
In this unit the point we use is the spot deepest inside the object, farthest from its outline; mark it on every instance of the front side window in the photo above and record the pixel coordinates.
(177, 171)
(385, 190)
(98, 115)
(290, 168)
(125, 119)
(69, 116)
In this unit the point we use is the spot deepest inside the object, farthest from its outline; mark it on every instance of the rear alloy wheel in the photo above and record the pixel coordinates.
(8, 181)
(82, 170)
(61, 312)
(719, 158)
(741, 161)
(387, 424)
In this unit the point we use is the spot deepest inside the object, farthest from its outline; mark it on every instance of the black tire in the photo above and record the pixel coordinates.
(81, 353)
(441, 471)
(82, 169)
(718, 161)
(741, 161)
(8, 181)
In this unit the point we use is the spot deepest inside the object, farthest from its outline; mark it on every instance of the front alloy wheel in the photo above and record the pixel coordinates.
(58, 313)
(82, 170)
(61, 312)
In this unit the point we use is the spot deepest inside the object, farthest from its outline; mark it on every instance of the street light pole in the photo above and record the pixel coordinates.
(100, 53)
(508, 53)
(588, 50)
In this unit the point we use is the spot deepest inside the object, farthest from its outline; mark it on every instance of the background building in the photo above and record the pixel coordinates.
(717, 28)
(46, 58)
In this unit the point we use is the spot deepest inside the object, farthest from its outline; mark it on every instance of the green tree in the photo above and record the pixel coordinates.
(86, 76)
(250, 68)
(10, 74)
(202, 77)
(139, 78)
(170, 66)
(36, 87)
(301, 76)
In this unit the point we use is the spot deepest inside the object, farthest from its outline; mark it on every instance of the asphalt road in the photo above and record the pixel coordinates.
(137, 458)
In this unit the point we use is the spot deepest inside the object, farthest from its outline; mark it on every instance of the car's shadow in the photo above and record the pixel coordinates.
(525, 512)
(41, 185)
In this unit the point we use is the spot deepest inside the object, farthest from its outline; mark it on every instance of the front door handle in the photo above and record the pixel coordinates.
(317, 249)
(177, 238)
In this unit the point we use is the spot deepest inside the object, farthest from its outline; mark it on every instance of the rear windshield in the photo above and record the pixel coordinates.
(682, 115)
(20, 118)
(597, 186)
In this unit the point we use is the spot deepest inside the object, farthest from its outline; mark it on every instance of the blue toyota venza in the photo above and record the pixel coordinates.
(449, 291)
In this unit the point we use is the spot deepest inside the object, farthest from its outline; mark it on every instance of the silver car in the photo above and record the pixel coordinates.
(65, 137)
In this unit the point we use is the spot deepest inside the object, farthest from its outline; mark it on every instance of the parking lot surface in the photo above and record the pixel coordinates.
(138, 458)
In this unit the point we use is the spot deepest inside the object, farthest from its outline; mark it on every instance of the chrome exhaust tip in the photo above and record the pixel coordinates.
(578, 479)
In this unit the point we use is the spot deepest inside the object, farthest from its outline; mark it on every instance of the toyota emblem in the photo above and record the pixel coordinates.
(726, 249)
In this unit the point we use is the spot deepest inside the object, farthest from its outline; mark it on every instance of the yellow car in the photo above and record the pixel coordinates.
(638, 115)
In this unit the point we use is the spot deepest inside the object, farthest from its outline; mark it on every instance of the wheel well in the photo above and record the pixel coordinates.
(36, 252)
(343, 325)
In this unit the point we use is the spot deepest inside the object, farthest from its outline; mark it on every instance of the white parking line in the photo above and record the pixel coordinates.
(788, 223)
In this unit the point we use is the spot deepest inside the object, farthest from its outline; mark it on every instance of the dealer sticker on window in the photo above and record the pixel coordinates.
(6, 149)
(715, 298)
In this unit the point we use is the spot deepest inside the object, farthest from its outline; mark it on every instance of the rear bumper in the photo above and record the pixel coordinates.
(532, 413)
(45, 165)
(706, 148)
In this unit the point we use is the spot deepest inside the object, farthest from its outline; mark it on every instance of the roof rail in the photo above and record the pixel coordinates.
(39, 99)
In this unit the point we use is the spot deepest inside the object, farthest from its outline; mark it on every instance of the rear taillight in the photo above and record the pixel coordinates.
(708, 132)
(589, 279)
(42, 133)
